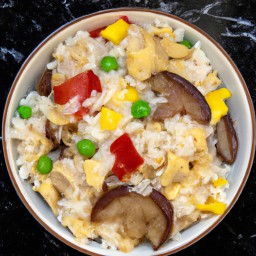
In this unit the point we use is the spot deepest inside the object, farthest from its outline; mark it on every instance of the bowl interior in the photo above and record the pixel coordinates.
(240, 109)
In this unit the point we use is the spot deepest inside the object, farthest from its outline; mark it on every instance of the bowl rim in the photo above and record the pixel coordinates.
(129, 9)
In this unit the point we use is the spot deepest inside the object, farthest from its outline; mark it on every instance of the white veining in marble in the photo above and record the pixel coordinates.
(194, 15)
(37, 26)
(64, 2)
(17, 56)
(7, 4)
(251, 35)
(47, 236)
(205, 10)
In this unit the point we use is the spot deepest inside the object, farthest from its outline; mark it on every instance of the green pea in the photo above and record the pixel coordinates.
(25, 112)
(186, 43)
(108, 63)
(44, 164)
(86, 148)
(140, 109)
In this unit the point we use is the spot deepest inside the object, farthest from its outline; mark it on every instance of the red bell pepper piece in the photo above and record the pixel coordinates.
(126, 19)
(96, 33)
(81, 112)
(127, 159)
(81, 85)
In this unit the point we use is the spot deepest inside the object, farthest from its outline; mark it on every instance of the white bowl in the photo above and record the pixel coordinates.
(241, 109)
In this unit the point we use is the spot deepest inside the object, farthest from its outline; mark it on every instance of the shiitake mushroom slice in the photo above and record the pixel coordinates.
(183, 97)
(227, 142)
(44, 87)
(139, 216)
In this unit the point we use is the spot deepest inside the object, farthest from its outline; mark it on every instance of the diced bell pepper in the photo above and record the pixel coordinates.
(217, 104)
(213, 206)
(127, 159)
(220, 182)
(109, 119)
(131, 95)
(116, 32)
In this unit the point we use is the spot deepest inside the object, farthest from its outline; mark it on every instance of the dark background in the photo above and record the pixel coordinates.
(24, 24)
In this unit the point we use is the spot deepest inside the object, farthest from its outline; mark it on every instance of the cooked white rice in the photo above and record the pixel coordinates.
(81, 53)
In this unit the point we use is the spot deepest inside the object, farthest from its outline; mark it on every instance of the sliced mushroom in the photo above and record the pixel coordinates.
(138, 216)
(62, 178)
(61, 183)
(227, 142)
(183, 97)
(44, 86)
(51, 131)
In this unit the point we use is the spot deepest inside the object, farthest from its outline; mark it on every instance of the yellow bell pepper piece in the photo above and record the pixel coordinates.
(116, 32)
(213, 206)
(216, 103)
(220, 182)
(131, 95)
(109, 119)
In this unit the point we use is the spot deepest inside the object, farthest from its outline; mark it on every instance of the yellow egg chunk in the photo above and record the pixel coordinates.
(93, 178)
(50, 194)
(216, 103)
(116, 32)
(58, 118)
(117, 98)
(172, 191)
(163, 31)
(131, 95)
(80, 228)
(213, 206)
(176, 170)
(57, 79)
(220, 182)
(109, 119)
(200, 142)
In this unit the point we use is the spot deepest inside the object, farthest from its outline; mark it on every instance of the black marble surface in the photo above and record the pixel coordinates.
(24, 24)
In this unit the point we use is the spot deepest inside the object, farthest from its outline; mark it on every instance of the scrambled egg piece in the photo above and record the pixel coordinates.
(56, 117)
(176, 170)
(175, 50)
(161, 32)
(172, 190)
(80, 228)
(145, 55)
(210, 83)
(199, 139)
(36, 146)
(50, 194)
(57, 79)
(93, 177)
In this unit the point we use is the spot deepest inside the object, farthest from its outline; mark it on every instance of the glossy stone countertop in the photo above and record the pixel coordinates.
(24, 24)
